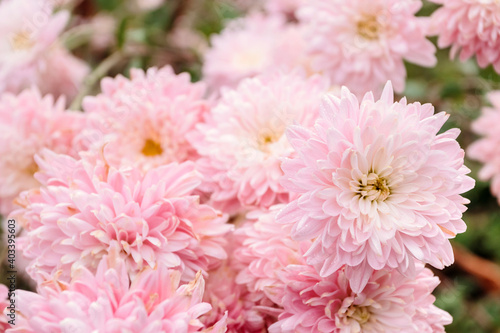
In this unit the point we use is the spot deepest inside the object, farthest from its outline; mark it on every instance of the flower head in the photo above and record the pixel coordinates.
(390, 302)
(251, 46)
(24, 39)
(378, 186)
(84, 209)
(362, 44)
(143, 121)
(112, 301)
(28, 124)
(470, 27)
(487, 149)
(264, 249)
(243, 140)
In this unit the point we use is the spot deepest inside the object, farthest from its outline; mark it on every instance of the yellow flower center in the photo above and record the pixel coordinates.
(22, 41)
(152, 148)
(266, 138)
(359, 313)
(369, 27)
(373, 187)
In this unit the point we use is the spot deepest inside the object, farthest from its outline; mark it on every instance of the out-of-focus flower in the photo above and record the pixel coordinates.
(4, 303)
(362, 44)
(243, 140)
(470, 27)
(487, 149)
(60, 73)
(28, 29)
(390, 302)
(265, 248)
(85, 208)
(111, 301)
(103, 31)
(29, 123)
(143, 121)
(250, 46)
(378, 187)
(149, 4)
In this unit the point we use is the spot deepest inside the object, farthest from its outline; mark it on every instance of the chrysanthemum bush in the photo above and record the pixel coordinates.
(279, 186)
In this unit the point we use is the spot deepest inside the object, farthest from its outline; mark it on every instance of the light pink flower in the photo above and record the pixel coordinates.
(390, 302)
(243, 309)
(378, 186)
(4, 303)
(29, 123)
(243, 139)
(143, 121)
(264, 248)
(28, 29)
(250, 46)
(111, 301)
(85, 208)
(362, 44)
(60, 73)
(487, 149)
(470, 27)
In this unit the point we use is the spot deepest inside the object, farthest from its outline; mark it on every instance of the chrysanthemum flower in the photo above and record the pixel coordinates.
(487, 149)
(470, 27)
(29, 123)
(250, 46)
(84, 208)
(111, 301)
(28, 28)
(362, 44)
(243, 140)
(390, 302)
(264, 248)
(378, 186)
(242, 307)
(143, 121)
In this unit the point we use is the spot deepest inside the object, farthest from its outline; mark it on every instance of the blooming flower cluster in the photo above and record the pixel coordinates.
(264, 198)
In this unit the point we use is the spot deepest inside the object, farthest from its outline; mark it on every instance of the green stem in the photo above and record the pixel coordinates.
(93, 78)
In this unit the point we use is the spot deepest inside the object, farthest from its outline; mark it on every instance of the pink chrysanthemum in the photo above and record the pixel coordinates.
(243, 140)
(265, 248)
(243, 310)
(362, 44)
(250, 46)
(24, 40)
(85, 208)
(143, 121)
(378, 186)
(487, 149)
(390, 302)
(470, 27)
(29, 123)
(111, 301)
(4, 303)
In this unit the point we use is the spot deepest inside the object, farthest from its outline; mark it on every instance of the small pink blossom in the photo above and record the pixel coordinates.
(390, 302)
(378, 187)
(28, 124)
(112, 301)
(362, 44)
(487, 149)
(143, 121)
(243, 140)
(251, 46)
(470, 27)
(85, 208)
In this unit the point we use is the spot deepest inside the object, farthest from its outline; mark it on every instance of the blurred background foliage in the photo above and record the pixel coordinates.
(178, 32)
